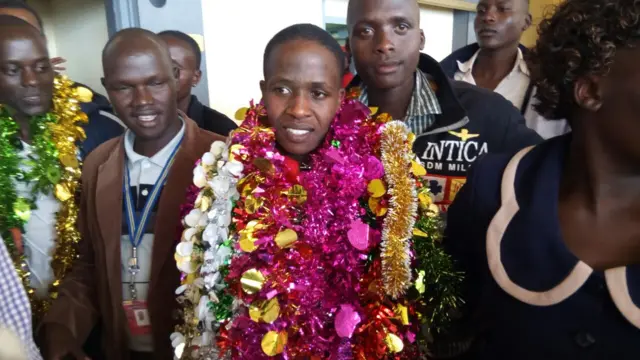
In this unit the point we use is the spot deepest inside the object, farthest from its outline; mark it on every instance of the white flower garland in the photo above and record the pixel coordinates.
(203, 250)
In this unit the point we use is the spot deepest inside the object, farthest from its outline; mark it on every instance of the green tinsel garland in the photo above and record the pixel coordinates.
(438, 281)
(43, 171)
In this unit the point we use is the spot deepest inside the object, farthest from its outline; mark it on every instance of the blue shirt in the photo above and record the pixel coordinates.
(528, 296)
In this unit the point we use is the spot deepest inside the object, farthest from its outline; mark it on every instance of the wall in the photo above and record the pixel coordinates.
(240, 30)
(437, 24)
(538, 9)
(80, 34)
(235, 73)
(76, 30)
(182, 15)
(44, 9)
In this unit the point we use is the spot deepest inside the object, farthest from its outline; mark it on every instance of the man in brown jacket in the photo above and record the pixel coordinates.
(132, 189)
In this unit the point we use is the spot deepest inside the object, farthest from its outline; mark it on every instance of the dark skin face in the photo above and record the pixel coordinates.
(385, 41)
(500, 23)
(185, 60)
(26, 76)
(141, 83)
(302, 93)
(33, 21)
(599, 196)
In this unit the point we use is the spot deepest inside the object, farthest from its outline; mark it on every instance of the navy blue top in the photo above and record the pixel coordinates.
(585, 325)
(101, 127)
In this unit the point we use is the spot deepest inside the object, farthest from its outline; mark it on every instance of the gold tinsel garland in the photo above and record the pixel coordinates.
(398, 224)
(65, 132)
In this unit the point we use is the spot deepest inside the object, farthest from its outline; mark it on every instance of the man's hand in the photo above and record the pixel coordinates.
(56, 62)
(61, 345)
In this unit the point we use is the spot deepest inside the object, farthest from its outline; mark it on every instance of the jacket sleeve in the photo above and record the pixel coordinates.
(458, 243)
(76, 305)
(99, 129)
(465, 237)
(516, 134)
(218, 122)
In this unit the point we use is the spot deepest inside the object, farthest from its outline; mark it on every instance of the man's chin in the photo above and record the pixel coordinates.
(35, 110)
(386, 82)
(490, 44)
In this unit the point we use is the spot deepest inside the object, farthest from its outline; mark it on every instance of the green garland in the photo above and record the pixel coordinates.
(438, 282)
(43, 171)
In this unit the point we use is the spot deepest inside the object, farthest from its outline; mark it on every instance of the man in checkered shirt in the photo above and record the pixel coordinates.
(15, 313)
(454, 122)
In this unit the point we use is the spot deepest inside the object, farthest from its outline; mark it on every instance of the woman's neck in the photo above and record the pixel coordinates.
(600, 172)
(302, 160)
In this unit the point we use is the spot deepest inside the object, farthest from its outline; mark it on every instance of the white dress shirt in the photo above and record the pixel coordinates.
(142, 170)
(514, 88)
(39, 232)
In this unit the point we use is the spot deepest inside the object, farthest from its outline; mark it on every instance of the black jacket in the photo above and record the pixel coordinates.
(450, 67)
(474, 121)
(102, 124)
(209, 119)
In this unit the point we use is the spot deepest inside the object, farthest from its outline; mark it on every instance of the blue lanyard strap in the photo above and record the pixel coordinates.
(136, 224)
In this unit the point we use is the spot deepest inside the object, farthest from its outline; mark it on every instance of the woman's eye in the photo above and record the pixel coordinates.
(319, 94)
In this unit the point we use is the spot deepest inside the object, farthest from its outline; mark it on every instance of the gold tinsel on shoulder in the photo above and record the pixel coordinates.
(66, 133)
(398, 224)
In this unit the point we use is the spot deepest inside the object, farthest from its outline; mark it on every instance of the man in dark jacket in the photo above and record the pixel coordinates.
(497, 61)
(454, 122)
(187, 57)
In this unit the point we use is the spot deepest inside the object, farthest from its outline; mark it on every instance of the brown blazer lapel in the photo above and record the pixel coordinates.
(173, 196)
(109, 215)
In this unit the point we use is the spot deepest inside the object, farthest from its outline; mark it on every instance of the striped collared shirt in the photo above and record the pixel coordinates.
(423, 107)
(15, 310)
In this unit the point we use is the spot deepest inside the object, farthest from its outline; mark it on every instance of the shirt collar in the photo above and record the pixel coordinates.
(423, 100)
(467, 66)
(521, 65)
(161, 157)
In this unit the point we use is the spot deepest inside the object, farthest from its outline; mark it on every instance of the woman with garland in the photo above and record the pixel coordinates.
(39, 170)
(310, 236)
(549, 237)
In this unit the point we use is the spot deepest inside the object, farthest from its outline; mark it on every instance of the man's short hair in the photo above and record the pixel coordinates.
(21, 4)
(307, 32)
(189, 40)
(8, 20)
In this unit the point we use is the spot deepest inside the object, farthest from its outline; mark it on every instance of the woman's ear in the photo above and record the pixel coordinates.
(588, 92)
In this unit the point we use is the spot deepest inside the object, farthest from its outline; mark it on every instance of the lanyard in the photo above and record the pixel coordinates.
(136, 224)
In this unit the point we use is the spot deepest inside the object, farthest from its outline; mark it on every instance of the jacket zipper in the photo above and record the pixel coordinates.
(464, 121)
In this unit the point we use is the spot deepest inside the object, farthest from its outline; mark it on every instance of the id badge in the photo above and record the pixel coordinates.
(137, 317)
